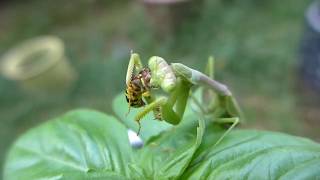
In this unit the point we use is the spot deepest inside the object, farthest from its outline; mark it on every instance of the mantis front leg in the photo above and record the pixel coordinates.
(172, 108)
(137, 83)
(135, 64)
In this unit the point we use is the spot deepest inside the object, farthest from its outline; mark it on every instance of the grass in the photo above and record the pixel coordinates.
(255, 44)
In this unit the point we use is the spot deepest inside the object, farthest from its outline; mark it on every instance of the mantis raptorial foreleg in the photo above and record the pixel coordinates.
(135, 64)
(173, 111)
(172, 108)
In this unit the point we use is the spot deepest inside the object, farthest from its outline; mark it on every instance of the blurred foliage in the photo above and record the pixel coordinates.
(255, 44)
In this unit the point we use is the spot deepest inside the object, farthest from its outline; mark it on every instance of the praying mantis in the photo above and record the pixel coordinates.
(174, 82)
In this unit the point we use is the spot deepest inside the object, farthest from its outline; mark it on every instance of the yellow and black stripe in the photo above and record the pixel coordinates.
(134, 95)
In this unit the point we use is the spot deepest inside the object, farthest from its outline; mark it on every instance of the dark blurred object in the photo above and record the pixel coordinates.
(309, 84)
(167, 16)
(310, 49)
(4, 1)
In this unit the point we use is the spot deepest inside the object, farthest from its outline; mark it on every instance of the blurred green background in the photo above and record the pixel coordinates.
(254, 42)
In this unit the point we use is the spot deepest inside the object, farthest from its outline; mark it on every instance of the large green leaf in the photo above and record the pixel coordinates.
(86, 144)
(149, 126)
(245, 154)
(80, 144)
(168, 155)
(90, 145)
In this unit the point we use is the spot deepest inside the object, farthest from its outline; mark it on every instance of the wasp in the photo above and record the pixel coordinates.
(137, 87)
(138, 91)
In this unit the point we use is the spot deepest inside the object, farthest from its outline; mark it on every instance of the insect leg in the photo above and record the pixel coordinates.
(210, 67)
(150, 107)
(233, 120)
(149, 99)
(129, 106)
(232, 107)
(172, 111)
(134, 64)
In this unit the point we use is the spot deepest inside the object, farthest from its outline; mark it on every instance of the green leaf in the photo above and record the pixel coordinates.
(168, 155)
(149, 126)
(85, 144)
(81, 144)
(255, 155)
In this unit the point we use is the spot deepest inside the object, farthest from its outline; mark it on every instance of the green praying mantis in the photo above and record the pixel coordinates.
(174, 82)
